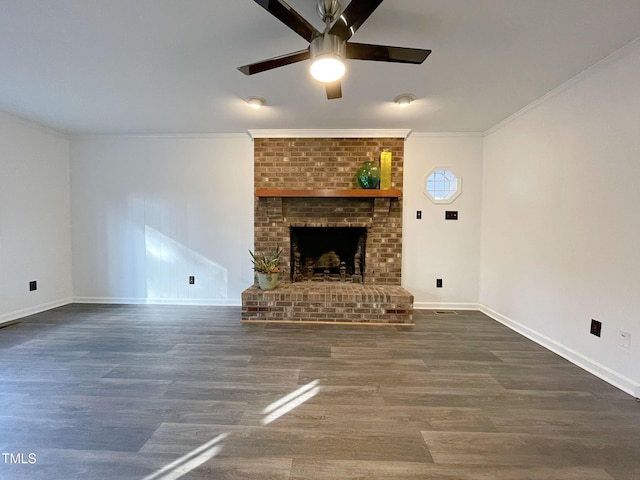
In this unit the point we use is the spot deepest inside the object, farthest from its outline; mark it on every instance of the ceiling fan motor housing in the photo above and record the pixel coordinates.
(327, 44)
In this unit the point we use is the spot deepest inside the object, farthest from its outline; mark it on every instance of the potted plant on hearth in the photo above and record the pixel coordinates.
(266, 268)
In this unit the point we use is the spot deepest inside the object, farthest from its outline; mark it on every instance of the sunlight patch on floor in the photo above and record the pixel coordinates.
(289, 402)
(190, 461)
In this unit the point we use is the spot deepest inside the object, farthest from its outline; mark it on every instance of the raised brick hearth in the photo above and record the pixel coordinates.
(329, 302)
(328, 163)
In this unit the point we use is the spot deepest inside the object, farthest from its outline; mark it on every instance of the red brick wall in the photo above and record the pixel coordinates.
(307, 163)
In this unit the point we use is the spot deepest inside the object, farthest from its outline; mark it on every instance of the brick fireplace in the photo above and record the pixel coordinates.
(305, 183)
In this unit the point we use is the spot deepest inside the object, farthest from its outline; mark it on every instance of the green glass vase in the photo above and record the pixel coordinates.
(368, 175)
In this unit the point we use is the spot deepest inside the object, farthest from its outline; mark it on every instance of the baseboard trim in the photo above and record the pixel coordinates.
(605, 373)
(445, 306)
(25, 312)
(205, 302)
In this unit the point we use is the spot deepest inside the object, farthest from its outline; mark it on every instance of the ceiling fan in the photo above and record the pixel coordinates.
(329, 49)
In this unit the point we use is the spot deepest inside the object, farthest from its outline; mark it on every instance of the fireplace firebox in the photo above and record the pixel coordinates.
(328, 254)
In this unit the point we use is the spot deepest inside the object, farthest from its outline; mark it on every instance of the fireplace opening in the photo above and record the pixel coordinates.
(328, 254)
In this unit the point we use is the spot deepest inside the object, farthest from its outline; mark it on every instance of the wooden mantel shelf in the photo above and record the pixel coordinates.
(328, 193)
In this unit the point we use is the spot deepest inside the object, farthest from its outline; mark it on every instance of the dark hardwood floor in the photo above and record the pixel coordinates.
(167, 392)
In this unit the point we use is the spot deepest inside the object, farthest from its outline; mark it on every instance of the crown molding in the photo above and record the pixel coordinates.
(160, 135)
(331, 133)
(446, 134)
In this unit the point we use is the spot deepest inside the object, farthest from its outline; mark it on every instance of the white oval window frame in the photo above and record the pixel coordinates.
(452, 196)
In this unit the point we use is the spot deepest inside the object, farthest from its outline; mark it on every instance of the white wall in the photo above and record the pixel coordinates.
(434, 247)
(35, 239)
(148, 212)
(561, 219)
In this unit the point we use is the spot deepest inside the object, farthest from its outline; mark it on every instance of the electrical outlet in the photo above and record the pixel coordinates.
(33, 286)
(596, 327)
(419, 214)
(624, 339)
(451, 215)
(192, 280)
(438, 283)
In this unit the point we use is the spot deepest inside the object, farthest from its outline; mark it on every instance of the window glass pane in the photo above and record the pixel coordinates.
(442, 185)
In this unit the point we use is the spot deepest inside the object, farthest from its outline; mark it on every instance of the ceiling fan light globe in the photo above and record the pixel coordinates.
(327, 68)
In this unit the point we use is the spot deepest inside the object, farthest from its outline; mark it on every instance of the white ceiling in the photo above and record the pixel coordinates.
(169, 66)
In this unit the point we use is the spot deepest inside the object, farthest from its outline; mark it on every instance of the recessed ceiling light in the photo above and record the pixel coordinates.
(405, 99)
(256, 102)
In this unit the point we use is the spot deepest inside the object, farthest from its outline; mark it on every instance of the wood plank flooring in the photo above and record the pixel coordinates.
(167, 392)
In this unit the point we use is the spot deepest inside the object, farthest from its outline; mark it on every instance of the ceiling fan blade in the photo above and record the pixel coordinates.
(353, 17)
(385, 53)
(334, 90)
(275, 62)
(292, 19)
